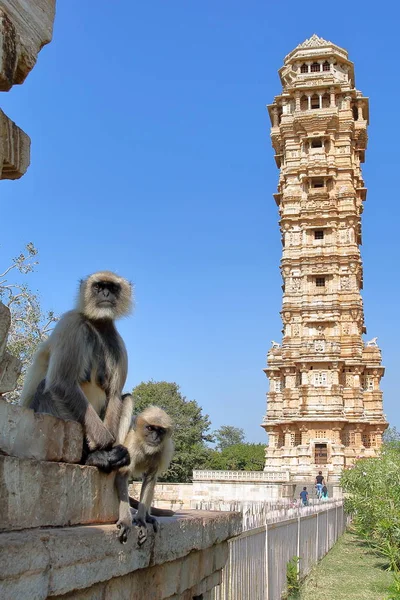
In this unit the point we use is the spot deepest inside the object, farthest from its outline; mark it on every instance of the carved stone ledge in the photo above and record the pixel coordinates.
(10, 367)
(25, 27)
(14, 149)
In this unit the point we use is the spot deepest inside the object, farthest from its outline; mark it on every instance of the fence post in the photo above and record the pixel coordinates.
(298, 544)
(316, 540)
(336, 526)
(327, 547)
(266, 565)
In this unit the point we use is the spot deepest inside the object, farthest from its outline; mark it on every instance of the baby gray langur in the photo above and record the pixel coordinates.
(150, 447)
(79, 372)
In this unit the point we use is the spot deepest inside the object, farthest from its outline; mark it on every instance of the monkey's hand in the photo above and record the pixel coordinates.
(153, 521)
(109, 460)
(141, 530)
(118, 457)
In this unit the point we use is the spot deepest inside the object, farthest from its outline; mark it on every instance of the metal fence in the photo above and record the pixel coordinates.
(258, 558)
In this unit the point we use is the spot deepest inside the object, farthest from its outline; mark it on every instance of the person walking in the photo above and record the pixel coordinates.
(324, 494)
(319, 484)
(304, 496)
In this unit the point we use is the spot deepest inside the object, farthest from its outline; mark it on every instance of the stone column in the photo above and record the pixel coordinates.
(332, 97)
(358, 436)
(360, 111)
(275, 118)
(357, 378)
(288, 441)
(297, 99)
(304, 434)
(309, 101)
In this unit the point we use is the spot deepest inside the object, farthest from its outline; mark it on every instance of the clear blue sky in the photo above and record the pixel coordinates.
(151, 156)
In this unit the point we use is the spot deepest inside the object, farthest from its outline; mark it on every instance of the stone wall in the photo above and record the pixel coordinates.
(219, 486)
(44, 492)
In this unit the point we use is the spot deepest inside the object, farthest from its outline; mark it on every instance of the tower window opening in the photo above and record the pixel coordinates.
(314, 102)
(315, 67)
(304, 103)
(326, 66)
(316, 143)
(320, 281)
(304, 68)
(369, 440)
(319, 234)
(320, 379)
(320, 435)
(317, 183)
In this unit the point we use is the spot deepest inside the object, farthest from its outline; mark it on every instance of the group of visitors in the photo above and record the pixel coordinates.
(320, 488)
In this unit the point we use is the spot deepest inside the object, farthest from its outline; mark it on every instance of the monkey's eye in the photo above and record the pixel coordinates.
(149, 428)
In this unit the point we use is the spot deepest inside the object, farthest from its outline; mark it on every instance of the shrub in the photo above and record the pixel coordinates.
(372, 487)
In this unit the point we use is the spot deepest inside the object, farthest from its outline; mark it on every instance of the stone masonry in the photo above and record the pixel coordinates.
(42, 494)
(324, 406)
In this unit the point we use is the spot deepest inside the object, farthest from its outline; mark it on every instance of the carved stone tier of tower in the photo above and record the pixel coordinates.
(324, 407)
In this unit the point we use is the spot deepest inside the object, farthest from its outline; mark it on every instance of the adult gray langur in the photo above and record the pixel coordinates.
(148, 439)
(79, 372)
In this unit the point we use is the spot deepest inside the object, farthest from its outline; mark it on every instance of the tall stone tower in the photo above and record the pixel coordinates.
(324, 407)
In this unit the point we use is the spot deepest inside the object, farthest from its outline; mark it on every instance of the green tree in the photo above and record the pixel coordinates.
(29, 324)
(227, 435)
(391, 435)
(191, 426)
(240, 457)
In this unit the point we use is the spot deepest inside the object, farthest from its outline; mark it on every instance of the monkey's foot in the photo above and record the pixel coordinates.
(141, 530)
(124, 527)
(153, 521)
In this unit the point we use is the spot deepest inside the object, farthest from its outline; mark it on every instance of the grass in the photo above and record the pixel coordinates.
(350, 571)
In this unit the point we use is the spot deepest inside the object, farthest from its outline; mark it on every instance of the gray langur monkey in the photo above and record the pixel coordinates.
(78, 373)
(150, 447)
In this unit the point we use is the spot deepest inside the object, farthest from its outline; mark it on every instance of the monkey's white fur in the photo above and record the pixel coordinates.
(87, 306)
(70, 362)
(145, 457)
(148, 460)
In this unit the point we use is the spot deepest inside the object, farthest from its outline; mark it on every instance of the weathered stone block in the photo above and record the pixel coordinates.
(14, 149)
(10, 370)
(89, 563)
(39, 494)
(5, 322)
(25, 27)
(25, 434)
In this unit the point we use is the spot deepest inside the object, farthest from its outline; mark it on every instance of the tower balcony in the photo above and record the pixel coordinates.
(317, 119)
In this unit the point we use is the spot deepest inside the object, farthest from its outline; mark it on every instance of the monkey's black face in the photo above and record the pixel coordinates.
(106, 293)
(153, 434)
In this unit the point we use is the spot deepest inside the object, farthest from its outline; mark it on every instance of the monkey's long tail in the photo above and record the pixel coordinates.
(156, 512)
